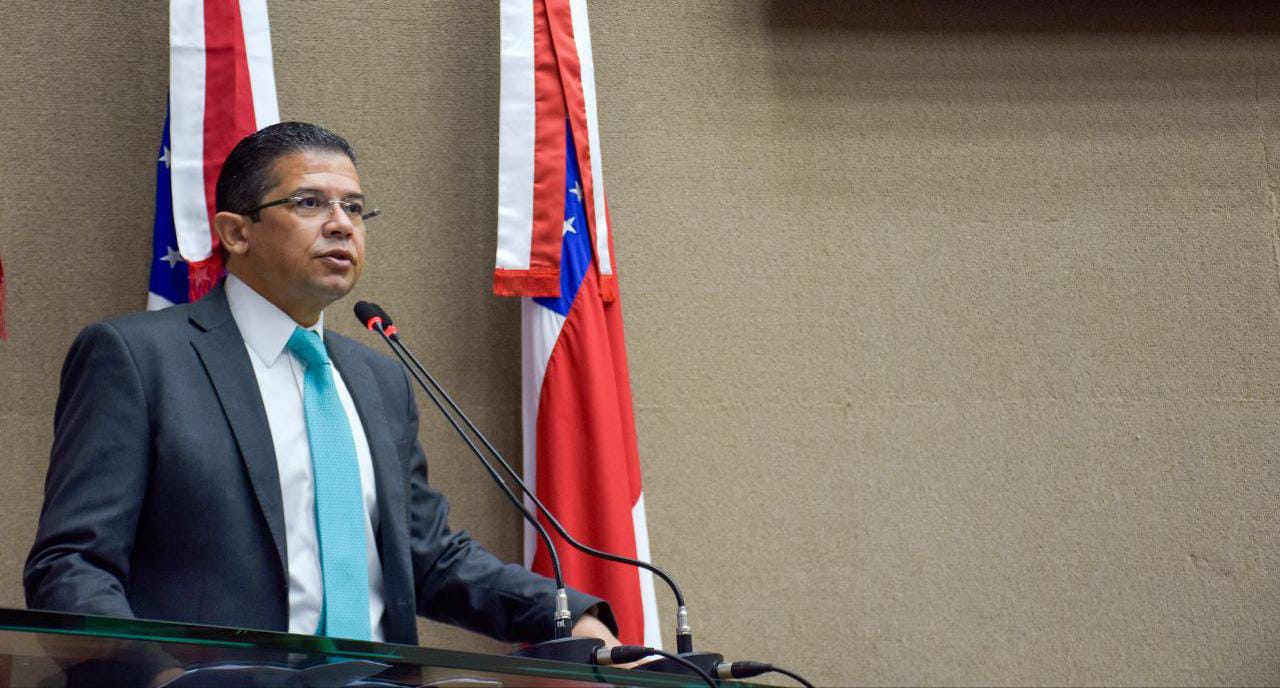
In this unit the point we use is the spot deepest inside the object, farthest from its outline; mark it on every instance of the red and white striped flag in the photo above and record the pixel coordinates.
(222, 87)
(555, 248)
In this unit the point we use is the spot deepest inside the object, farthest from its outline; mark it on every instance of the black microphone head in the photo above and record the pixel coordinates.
(366, 312)
(373, 317)
(386, 319)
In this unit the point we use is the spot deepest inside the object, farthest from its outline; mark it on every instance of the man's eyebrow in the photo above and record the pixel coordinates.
(320, 192)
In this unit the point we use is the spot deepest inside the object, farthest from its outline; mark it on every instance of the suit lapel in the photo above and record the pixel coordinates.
(226, 361)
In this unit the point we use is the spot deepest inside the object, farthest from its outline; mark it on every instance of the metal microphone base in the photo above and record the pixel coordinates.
(707, 661)
(575, 650)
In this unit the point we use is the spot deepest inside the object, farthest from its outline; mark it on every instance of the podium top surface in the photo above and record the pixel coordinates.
(53, 649)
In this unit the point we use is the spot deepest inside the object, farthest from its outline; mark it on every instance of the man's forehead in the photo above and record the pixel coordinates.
(321, 170)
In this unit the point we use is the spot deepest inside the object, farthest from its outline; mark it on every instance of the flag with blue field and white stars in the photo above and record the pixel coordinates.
(168, 284)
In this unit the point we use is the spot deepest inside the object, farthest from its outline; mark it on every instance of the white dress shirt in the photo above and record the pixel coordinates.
(266, 330)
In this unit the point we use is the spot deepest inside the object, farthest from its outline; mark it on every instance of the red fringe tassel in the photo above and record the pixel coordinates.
(204, 275)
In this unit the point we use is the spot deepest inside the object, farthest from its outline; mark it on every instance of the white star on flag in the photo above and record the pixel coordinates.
(568, 226)
(164, 156)
(171, 256)
(577, 191)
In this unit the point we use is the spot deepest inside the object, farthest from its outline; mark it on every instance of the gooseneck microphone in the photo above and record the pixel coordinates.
(375, 318)
(562, 647)
(702, 664)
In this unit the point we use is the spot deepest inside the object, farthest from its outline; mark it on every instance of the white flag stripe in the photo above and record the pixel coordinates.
(156, 302)
(587, 71)
(648, 600)
(540, 328)
(262, 73)
(516, 134)
(186, 128)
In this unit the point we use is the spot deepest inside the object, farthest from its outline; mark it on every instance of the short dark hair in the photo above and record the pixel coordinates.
(246, 174)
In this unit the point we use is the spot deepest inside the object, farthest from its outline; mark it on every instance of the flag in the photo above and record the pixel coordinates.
(221, 88)
(555, 249)
(168, 283)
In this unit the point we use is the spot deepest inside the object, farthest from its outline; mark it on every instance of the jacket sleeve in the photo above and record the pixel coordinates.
(96, 481)
(459, 582)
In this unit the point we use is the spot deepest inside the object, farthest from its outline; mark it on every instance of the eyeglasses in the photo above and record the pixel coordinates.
(311, 206)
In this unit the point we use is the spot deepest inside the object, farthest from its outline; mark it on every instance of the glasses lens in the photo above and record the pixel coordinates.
(309, 205)
(314, 205)
(355, 209)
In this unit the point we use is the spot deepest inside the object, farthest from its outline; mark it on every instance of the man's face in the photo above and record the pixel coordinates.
(302, 264)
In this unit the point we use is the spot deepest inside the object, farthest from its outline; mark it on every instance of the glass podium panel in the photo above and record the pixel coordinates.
(49, 649)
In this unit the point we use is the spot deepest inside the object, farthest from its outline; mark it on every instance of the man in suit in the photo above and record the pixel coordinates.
(232, 462)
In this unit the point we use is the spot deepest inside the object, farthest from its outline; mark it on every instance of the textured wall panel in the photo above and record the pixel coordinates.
(973, 307)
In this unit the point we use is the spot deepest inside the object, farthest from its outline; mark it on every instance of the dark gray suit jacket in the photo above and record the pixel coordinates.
(163, 501)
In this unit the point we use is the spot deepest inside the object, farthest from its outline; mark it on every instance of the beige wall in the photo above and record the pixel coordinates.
(972, 312)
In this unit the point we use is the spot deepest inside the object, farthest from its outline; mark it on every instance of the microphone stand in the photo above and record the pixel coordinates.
(380, 322)
(704, 665)
(563, 647)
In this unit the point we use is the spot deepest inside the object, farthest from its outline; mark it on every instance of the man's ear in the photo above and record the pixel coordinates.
(232, 229)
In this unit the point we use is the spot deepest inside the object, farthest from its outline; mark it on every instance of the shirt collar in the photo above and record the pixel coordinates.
(265, 328)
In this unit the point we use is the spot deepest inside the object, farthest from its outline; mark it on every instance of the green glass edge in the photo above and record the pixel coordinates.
(106, 627)
(126, 635)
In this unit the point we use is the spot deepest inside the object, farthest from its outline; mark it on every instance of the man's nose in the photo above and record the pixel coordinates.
(337, 221)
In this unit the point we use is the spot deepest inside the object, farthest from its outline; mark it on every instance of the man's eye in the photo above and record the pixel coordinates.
(309, 202)
(355, 208)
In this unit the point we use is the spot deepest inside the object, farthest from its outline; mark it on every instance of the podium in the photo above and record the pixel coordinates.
(51, 649)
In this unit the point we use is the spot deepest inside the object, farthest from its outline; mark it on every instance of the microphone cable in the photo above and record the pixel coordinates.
(623, 654)
(729, 670)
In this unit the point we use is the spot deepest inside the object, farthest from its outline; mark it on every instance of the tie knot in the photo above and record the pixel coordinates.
(307, 345)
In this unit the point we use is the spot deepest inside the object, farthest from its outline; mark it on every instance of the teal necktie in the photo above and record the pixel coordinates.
(339, 503)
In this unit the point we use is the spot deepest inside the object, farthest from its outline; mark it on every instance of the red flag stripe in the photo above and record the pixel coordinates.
(548, 154)
(228, 117)
(582, 449)
(622, 394)
(228, 105)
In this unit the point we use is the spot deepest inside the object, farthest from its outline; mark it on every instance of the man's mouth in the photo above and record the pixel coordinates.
(338, 257)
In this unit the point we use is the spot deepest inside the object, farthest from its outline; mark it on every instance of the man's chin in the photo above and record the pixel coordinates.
(335, 287)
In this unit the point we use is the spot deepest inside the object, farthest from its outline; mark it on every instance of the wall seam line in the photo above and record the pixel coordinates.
(1268, 178)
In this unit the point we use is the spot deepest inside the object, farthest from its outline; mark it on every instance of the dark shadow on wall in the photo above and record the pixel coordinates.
(974, 71)
(1256, 17)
